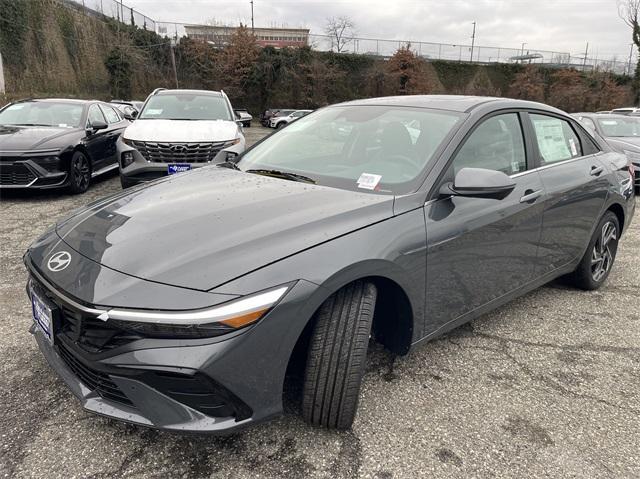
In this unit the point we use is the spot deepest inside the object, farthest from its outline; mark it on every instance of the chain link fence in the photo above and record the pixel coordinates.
(118, 11)
(466, 53)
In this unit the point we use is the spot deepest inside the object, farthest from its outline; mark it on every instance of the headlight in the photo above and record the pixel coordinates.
(634, 156)
(227, 144)
(46, 161)
(127, 141)
(208, 322)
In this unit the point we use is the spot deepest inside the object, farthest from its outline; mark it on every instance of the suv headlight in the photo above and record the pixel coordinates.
(214, 321)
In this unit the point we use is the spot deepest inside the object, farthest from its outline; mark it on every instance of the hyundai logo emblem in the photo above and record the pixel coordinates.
(59, 261)
(178, 148)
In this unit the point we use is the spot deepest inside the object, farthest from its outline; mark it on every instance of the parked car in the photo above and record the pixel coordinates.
(626, 111)
(57, 143)
(622, 133)
(176, 131)
(244, 116)
(197, 294)
(129, 109)
(269, 114)
(278, 121)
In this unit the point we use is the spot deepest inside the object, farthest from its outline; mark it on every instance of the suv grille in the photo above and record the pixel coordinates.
(15, 174)
(178, 152)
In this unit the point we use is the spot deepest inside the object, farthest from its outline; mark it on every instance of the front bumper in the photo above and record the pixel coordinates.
(142, 170)
(28, 173)
(214, 385)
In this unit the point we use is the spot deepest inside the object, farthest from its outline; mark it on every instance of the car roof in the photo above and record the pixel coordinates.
(60, 100)
(189, 92)
(457, 103)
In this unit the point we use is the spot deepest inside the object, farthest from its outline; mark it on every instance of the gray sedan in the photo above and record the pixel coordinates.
(621, 132)
(183, 303)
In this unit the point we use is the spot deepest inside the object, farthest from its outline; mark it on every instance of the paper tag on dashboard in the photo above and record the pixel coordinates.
(368, 181)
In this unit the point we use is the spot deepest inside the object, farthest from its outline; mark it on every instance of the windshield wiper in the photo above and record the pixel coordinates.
(284, 175)
(228, 164)
(30, 124)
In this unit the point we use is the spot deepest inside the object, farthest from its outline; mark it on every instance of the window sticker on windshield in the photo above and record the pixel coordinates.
(572, 145)
(368, 181)
(154, 111)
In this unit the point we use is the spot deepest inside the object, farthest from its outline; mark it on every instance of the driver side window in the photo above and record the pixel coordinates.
(497, 144)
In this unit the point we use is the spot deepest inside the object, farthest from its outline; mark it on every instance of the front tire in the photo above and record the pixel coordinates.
(596, 264)
(337, 356)
(280, 125)
(79, 173)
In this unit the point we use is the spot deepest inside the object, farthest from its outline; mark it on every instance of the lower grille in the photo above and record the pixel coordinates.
(178, 152)
(95, 380)
(15, 174)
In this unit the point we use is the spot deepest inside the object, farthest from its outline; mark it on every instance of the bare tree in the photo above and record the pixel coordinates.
(341, 31)
(629, 11)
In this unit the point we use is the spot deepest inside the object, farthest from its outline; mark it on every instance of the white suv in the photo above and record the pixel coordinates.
(280, 121)
(178, 130)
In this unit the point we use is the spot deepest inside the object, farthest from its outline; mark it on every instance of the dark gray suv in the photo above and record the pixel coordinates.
(179, 304)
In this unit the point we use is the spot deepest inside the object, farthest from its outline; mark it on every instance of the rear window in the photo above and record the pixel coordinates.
(186, 106)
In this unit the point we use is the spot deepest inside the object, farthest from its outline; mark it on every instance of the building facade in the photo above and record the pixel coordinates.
(274, 37)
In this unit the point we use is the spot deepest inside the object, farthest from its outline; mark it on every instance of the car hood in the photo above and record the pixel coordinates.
(187, 131)
(23, 138)
(631, 143)
(204, 228)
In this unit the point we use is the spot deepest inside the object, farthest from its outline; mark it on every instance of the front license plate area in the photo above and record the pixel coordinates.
(43, 316)
(174, 168)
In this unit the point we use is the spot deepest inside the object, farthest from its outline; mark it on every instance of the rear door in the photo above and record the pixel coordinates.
(480, 249)
(116, 127)
(576, 185)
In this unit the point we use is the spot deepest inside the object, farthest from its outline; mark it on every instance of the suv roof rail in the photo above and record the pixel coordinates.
(157, 90)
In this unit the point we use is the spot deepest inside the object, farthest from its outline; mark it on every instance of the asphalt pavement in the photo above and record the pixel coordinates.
(547, 386)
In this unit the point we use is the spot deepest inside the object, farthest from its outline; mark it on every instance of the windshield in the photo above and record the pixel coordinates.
(380, 149)
(620, 127)
(185, 106)
(43, 113)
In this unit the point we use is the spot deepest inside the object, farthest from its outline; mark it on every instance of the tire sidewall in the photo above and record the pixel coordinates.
(584, 269)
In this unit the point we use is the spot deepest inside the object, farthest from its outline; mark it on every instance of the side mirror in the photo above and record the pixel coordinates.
(479, 183)
(130, 116)
(238, 116)
(99, 125)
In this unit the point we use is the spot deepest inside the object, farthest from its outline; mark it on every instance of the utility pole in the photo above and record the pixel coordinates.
(630, 56)
(252, 27)
(584, 62)
(173, 62)
(522, 52)
(473, 39)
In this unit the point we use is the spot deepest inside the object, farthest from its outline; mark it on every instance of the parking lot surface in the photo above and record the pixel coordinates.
(547, 386)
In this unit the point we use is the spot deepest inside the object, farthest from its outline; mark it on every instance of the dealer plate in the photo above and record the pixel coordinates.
(42, 315)
(174, 168)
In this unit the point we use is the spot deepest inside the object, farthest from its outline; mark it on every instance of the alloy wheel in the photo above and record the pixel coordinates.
(80, 172)
(602, 255)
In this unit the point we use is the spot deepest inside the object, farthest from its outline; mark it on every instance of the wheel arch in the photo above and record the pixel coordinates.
(618, 210)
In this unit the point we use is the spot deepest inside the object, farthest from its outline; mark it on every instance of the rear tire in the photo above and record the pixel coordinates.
(79, 173)
(337, 356)
(596, 264)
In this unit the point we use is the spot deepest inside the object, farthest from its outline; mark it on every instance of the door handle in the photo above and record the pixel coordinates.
(530, 196)
(596, 170)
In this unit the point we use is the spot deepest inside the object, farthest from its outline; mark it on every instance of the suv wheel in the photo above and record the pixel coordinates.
(337, 356)
(79, 173)
(280, 125)
(596, 264)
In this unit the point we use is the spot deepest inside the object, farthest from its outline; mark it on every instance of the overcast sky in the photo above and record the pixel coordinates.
(558, 25)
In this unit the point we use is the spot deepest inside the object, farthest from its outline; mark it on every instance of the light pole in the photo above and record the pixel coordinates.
(252, 27)
(473, 39)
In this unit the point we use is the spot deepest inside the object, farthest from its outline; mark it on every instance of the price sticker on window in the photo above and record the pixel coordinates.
(368, 181)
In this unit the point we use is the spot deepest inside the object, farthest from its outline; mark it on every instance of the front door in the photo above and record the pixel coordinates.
(97, 141)
(480, 249)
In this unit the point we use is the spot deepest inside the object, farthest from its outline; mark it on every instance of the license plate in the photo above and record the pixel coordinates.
(42, 315)
(174, 168)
